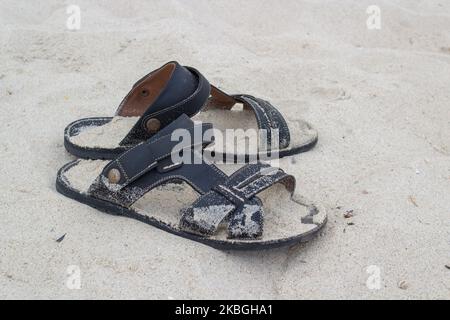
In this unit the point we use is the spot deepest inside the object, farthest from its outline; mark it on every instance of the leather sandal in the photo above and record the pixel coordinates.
(253, 208)
(164, 94)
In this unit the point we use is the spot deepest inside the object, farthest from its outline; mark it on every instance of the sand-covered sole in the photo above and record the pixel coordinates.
(100, 137)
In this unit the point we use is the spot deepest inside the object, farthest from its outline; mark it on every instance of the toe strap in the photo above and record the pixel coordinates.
(276, 135)
(274, 132)
(235, 201)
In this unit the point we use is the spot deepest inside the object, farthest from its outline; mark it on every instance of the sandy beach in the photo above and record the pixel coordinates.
(379, 96)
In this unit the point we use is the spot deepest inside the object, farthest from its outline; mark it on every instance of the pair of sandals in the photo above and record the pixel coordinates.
(133, 165)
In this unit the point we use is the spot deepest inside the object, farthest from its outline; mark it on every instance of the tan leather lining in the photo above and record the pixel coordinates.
(145, 92)
(220, 99)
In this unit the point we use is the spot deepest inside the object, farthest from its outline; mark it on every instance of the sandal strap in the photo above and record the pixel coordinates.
(268, 119)
(235, 199)
(149, 164)
(185, 92)
(144, 157)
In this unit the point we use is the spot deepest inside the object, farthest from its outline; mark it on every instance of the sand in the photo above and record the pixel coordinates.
(378, 98)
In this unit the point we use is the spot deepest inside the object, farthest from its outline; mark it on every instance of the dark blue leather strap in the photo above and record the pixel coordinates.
(200, 175)
(235, 198)
(144, 157)
(149, 165)
(267, 116)
(186, 92)
(268, 119)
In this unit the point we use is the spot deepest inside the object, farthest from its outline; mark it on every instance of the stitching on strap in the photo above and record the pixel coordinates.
(123, 170)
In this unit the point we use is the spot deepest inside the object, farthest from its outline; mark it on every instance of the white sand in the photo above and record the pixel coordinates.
(379, 99)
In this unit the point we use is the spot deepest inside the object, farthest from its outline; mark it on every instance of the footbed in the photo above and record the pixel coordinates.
(112, 133)
(282, 213)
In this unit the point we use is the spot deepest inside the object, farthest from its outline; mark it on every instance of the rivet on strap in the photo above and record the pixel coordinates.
(153, 125)
(114, 176)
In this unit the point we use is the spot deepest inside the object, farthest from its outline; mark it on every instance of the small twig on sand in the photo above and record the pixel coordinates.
(413, 201)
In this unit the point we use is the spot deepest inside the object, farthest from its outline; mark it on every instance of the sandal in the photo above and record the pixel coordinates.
(163, 95)
(195, 200)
